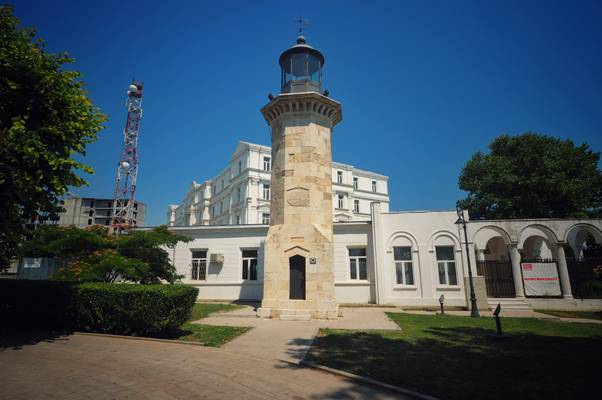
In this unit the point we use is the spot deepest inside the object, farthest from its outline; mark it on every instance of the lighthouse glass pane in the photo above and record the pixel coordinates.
(299, 67)
(313, 66)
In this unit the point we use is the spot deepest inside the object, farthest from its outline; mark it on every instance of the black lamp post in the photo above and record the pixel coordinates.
(474, 311)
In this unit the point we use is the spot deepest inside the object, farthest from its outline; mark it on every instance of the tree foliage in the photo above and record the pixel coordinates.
(532, 176)
(93, 255)
(45, 119)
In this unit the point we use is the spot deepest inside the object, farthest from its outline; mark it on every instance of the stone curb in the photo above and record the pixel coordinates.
(141, 338)
(369, 381)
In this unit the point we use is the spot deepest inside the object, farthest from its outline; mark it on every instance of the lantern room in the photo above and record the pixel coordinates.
(301, 68)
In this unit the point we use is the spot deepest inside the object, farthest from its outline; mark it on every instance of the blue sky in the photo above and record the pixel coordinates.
(424, 84)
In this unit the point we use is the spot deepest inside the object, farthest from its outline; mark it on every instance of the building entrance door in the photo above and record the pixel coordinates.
(297, 277)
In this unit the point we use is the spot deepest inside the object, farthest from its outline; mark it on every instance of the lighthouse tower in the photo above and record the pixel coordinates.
(299, 259)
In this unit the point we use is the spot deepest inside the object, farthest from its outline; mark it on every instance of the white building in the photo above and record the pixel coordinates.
(240, 194)
(410, 259)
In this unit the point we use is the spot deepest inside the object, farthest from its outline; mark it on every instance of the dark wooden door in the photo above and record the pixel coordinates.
(499, 279)
(297, 277)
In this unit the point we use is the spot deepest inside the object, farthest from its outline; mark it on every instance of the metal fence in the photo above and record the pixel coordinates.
(499, 280)
(585, 275)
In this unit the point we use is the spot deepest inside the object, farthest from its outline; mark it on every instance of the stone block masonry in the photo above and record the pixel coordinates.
(299, 255)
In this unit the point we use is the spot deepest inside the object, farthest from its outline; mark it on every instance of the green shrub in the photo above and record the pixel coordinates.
(118, 308)
(131, 309)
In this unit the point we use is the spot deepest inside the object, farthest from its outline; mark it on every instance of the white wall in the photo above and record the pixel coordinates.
(352, 235)
(224, 282)
(423, 231)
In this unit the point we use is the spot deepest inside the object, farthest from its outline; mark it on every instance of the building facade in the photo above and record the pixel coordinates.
(241, 193)
(251, 241)
(410, 259)
(87, 211)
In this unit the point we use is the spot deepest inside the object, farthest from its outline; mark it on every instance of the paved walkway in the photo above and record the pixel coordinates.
(93, 367)
(290, 340)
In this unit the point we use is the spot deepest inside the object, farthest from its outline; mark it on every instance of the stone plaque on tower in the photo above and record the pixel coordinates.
(299, 254)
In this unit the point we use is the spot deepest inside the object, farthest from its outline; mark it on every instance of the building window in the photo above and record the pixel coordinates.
(238, 220)
(91, 213)
(266, 191)
(249, 265)
(239, 166)
(135, 206)
(340, 201)
(213, 211)
(267, 164)
(355, 183)
(214, 189)
(107, 222)
(374, 186)
(199, 265)
(356, 206)
(90, 221)
(339, 177)
(221, 207)
(238, 194)
(222, 184)
(446, 265)
(404, 270)
(265, 218)
(357, 264)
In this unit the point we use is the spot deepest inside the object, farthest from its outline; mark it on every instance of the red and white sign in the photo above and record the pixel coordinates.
(541, 279)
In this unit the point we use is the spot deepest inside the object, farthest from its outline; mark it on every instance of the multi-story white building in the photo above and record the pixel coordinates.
(240, 194)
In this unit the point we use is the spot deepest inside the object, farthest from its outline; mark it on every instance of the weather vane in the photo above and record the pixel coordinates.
(303, 23)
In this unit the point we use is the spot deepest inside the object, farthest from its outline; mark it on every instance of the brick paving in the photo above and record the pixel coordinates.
(95, 367)
(290, 340)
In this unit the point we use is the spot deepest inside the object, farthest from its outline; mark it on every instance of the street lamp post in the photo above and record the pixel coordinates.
(474, 311)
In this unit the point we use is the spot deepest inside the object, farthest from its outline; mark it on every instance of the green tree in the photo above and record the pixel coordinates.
(532, 176)
(45, 119)
(94, 255)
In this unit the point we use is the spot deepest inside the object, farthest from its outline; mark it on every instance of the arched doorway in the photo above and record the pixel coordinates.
(494, 264)
(584, 261)
(297, 278)
(543, 266)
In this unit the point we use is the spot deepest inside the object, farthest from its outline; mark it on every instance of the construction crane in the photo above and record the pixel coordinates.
(127, 168)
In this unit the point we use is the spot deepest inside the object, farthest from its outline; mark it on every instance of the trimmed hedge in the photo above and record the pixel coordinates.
(133, 309)
(117, 308)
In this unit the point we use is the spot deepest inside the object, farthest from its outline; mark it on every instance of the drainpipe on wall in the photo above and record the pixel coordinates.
(376, 226)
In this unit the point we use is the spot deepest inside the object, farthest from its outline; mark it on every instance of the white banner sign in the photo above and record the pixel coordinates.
(541, 279)
(32, 262)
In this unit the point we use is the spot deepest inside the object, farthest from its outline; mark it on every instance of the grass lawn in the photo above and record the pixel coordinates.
(573, 314)
(453, 357)
(209, 335)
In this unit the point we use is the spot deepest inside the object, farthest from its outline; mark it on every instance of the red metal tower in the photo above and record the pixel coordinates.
(127, 169)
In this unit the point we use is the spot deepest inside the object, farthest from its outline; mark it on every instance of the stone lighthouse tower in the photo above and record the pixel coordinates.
(299, 259)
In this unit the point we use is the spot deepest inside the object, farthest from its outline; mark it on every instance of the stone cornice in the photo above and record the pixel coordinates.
(303, 103)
